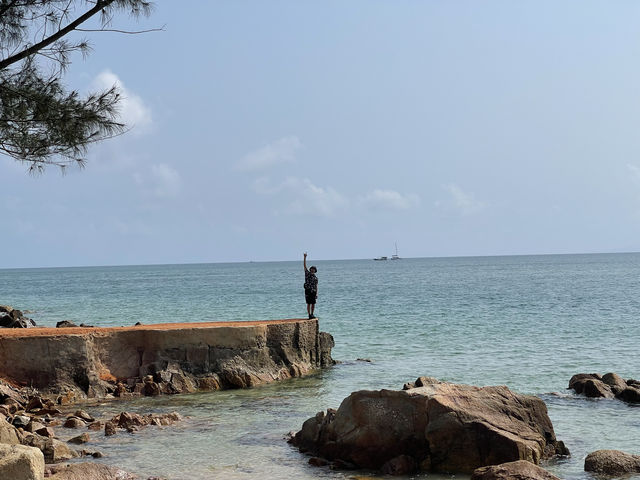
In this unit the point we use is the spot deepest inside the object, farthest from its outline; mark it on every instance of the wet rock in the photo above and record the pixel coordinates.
(608, 386)
(80, 439)
(519, 470)
(400, 465)
(109, 429)
(95, 426)
(318, 462)
(612, 463)
(630, 395)
(65, 324)
(441, 426)
(74, 422)
(83, 415)
(19, 462)
(209, 383)
(14, 318)
(88, 471)
(597, 389)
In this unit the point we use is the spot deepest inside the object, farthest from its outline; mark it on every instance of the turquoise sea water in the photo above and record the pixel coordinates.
(528, 322)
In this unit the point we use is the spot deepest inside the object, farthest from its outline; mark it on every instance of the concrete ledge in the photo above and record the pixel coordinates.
(162, 358)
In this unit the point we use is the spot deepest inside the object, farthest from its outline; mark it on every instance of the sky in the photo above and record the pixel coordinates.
(263, 129)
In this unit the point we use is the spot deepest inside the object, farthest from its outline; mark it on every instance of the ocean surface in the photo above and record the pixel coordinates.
(528, 322)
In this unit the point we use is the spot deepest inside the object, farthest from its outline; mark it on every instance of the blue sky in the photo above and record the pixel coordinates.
(261, 129)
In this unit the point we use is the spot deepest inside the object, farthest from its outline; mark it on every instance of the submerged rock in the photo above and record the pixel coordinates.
(612, 462)
(519, 470)
(610, 385)
(87, 471)
(440, 427)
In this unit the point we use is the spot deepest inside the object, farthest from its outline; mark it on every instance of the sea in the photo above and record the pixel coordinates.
(527, 322)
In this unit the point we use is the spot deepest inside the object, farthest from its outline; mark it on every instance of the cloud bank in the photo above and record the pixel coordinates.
(275, 153)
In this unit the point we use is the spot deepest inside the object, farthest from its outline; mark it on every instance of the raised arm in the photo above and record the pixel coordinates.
(304, 262)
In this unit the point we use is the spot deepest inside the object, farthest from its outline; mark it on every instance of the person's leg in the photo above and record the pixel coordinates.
(308, 309)
(313, 307)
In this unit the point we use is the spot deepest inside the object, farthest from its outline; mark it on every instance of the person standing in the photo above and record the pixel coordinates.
(310, 287)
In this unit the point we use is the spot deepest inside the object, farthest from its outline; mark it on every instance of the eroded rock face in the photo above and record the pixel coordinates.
(519, 470)
(610, 385)
(20, 462)
(612, 462)
(150, 360)
(442, 427)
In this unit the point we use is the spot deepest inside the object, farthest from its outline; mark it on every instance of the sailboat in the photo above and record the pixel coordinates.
(395, 257)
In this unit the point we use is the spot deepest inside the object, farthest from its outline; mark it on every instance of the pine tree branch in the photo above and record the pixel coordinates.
(100, 4)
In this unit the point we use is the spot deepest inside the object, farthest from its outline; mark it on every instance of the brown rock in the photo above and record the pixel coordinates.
(594, 388)
(95, 426)
(614, 380)
(80, 439)
(74, 422)
(18, 462)
(109, 429)
(46, 432)
(577, 381)
(612, 462)
(83, 415)
(54, 450)
(400, 465)
(35, 403)
(33, 426)
(88, 471)
(630, 395)
(209, 383)
(318, 462)
(8, 433)
(519, 470)
(444, 427)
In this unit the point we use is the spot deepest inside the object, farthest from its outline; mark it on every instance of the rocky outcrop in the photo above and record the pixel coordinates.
(131, 422)
(439, 427)
(13, 318)
(159, 359)
(21, 463)
(519, 470)
(610, 385)
(612, 463)
(87, 471)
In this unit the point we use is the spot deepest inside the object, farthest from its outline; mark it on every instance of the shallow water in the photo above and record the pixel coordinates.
(527, 322)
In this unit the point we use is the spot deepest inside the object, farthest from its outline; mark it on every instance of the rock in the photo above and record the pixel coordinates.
(630, 395)
(7, 392)
(33, 426)
(88, 471)
(46, 432)
(318, 462)
(80, 439)
(18, 462)
(54, 450)
(608, 386)
(109, 429)
(519, 470)
(74, 422)
(8, 433)
(400, 465)
(95, 426)
(208, 383)
(444, 427)
(83, 415)
(65, 324)
(614, 380)
(21, 421)
(35, 403)
(612, 462)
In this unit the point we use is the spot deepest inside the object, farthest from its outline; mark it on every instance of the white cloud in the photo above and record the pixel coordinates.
(464, 202)
(303, 197)
(161, 181)
(388, 200)
(275, 153)
(132, 110)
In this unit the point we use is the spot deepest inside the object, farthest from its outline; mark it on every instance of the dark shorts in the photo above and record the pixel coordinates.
(310, 296)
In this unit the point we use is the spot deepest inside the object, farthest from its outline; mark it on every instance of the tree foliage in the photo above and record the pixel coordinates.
(41, 122)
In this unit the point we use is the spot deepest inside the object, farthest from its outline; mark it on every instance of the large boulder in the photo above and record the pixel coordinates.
(444, 427)
(8, 433)
(519, 470)
(13, 318)
(21, 463)
(609, 385)
(612, 462)
(87, 471)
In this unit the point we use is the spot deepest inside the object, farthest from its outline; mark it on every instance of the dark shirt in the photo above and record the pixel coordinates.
(310, 281)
